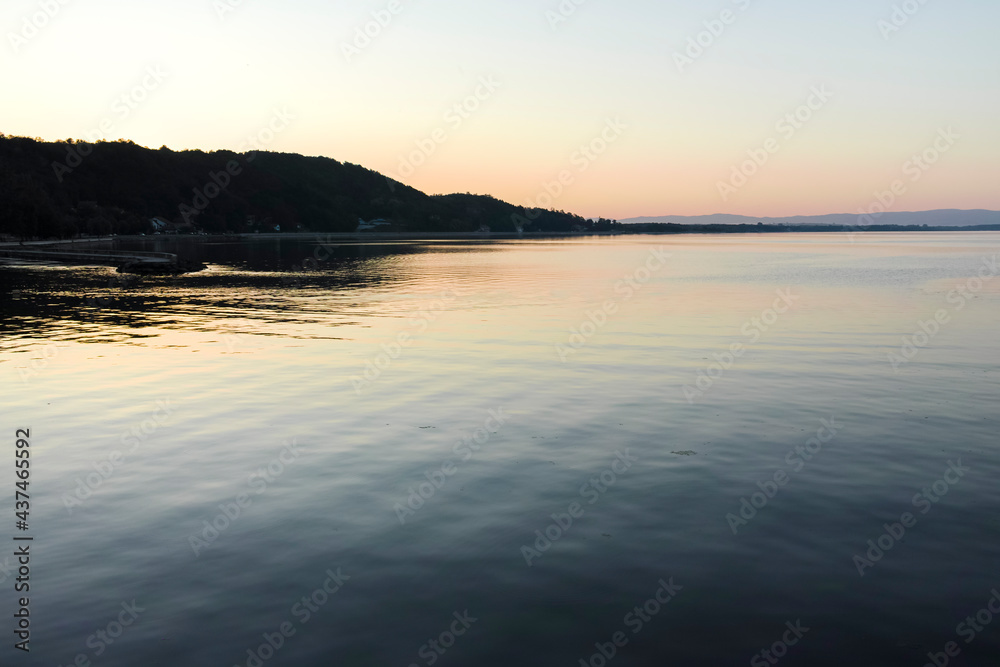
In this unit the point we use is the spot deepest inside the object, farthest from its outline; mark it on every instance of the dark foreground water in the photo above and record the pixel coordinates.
(528, 452)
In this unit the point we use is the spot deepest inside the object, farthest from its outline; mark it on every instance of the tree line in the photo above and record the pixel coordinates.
(65, 188)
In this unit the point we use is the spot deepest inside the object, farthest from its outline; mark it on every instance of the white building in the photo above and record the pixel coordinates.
(159, 224)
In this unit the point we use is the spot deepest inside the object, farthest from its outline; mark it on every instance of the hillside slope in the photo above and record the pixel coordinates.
(50, 189)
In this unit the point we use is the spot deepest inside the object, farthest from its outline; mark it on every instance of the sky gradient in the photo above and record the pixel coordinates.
(600, 108)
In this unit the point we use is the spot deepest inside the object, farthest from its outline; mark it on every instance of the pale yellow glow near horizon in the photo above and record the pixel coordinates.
(552, 90)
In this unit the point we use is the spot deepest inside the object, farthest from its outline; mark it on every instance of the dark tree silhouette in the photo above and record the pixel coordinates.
(54, 189)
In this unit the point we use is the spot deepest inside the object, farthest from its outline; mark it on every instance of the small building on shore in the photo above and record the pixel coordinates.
(160, 224)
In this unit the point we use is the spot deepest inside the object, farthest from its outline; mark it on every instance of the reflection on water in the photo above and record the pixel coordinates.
(414, 421)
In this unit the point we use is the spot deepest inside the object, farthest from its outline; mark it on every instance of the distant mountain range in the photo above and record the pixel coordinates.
(941, 218)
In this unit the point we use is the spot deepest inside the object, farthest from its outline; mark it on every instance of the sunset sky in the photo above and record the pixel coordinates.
(535, 83)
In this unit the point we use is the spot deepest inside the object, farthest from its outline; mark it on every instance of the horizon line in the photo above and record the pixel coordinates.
(389, 177)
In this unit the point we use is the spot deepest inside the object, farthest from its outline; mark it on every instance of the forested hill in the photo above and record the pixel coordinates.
(64, 188)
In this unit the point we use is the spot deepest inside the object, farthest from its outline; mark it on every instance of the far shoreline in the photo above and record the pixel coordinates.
(674, 230)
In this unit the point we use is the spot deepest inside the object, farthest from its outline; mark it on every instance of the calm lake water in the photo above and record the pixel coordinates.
(723, 422)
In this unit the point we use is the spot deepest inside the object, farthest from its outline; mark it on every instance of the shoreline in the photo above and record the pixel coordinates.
(485, 236)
